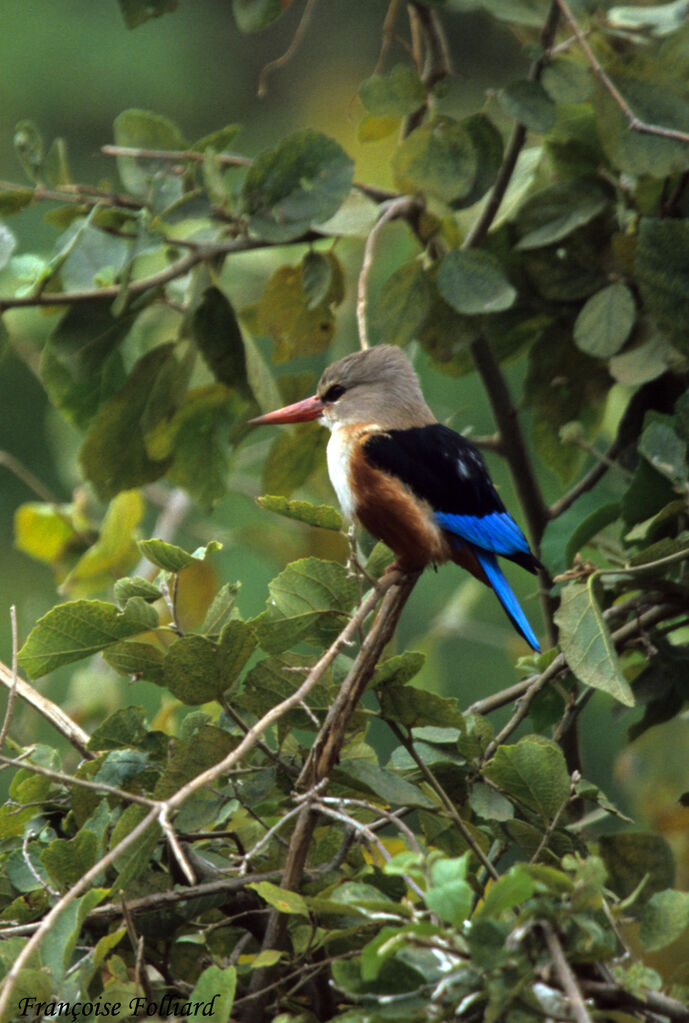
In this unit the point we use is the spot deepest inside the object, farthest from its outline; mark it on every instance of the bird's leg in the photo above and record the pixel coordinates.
(354, 566)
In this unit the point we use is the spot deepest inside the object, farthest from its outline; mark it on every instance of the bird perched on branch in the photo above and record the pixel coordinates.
(413, 483)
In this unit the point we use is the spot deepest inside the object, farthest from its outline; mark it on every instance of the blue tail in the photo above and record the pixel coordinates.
(489, 564)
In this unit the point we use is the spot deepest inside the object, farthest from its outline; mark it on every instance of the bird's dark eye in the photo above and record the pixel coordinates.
(333, 393)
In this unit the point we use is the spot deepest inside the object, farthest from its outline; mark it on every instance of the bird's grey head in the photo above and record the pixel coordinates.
(377, 386)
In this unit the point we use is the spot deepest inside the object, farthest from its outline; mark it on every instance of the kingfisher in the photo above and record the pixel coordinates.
(415, 484)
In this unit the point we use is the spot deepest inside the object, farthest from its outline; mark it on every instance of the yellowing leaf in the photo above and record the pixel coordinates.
(42, 530)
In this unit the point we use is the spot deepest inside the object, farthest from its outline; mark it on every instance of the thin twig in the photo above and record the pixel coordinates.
(9, 710)
(53, 714)
(445, 799)
(564, 972)
(280, 62)
(174, 155)
(388, 33)
(402, 206)
(169, 832)
(110, 292)
(635, 123)
(586, 483)
(27, 477)
(535, 683)
(72, 781)
(617, 998)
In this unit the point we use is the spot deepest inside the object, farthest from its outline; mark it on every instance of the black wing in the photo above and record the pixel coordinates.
(447, 470)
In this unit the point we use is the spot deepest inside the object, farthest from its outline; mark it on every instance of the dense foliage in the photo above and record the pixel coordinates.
(250, 844)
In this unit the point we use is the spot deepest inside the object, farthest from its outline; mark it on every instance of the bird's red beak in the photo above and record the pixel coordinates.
(300, 412)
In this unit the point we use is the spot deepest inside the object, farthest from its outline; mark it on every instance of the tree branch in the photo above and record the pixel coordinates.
(316, 771)
(565, 975)
(635, 123)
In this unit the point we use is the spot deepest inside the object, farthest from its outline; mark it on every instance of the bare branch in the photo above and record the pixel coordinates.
(635, 123)
(53, 714)
(564, 972)
(402, 206)
(286, 57)
(9, 710)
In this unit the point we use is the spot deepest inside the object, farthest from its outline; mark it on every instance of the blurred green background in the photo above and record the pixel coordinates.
(71, 68)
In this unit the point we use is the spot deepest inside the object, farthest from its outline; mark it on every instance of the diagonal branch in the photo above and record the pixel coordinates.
(635, 123)
(320, 762)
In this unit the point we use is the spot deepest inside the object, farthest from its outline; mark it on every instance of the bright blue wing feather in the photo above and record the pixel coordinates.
(489, 564)
(496, 532)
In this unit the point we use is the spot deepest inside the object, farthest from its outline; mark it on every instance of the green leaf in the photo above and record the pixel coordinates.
(516, 12)
(198, 434)
(123, 729)
(57, 947)
(238, 640)
(414, 707)
(81, 366)
(449, 895)
(136, 12)
(79, 628)
(589, 527)
(28, 145)
(404, 304)
(312, 585)
(395, 94)
(255, 15)
(567, 81)
(666, 451)
(316, 278)
(136, 660)
(135, 586)
(42, 531)
(219, 339)
(322, 515)
(222, 609)
(288, 315)
(563, 385)
(172, 558)
(282, 899)
(66, 861)
(114, 455)
(191, 670)
(534, 772)
(383, 784)
(219, 140)
(510, 890)
(555, 212)
(489, 803)
(7, 245)
(586, 644)
(487, 142)
(114, 550)
(215, 987)
(662, 258)
(661, 19)
(293, 457)
(634, 857)
(472, 281)
(398, 670)
(605, 322)
(439, 159)
(86, 255)
(142, 129)
(655, 103)
(302, 182)
(12, 200)
(529, 104)
(665, 917)
(645, 360)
